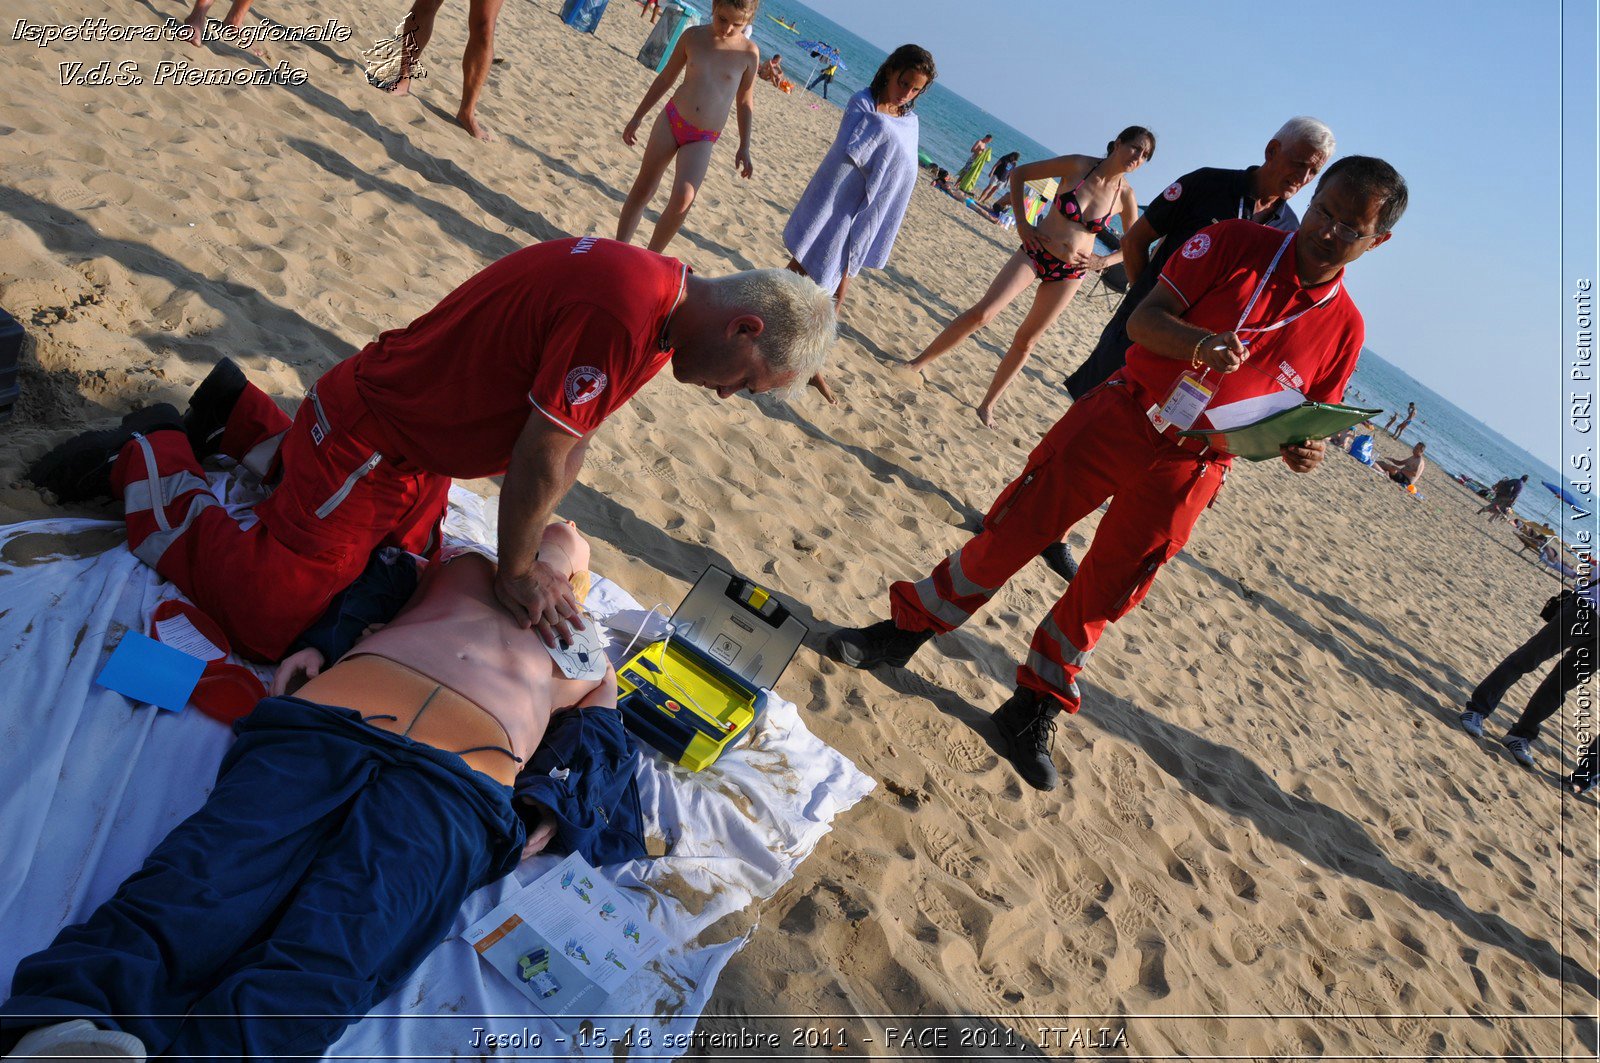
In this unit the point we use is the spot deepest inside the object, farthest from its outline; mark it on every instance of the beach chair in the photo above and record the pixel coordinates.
(1110, 286)
(1533, 537)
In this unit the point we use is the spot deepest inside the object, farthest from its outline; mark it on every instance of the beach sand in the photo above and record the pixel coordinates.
(1272, 840)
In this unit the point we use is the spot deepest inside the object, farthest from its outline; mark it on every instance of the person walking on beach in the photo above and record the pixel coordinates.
(1581, 781)
(998, 175)
(850, 213)
(1243, 311)
(1296, 153)
(1568, 632)
(512, 373)
(1058, 252)
(199, 15)
(718, 64)
(824, 78)
(1411, 413)
(403, 54)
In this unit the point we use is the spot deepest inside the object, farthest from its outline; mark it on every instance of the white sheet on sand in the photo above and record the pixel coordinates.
(90, 782)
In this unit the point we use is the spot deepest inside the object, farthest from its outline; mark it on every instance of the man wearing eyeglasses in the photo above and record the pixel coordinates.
(1243, 314)
(1296, 153)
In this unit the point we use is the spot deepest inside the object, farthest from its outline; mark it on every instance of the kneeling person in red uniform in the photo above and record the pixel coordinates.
(1249, 311)
(512, 373)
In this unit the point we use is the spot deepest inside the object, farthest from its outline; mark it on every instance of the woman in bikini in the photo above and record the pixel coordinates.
(718, 64)
(1058, 251)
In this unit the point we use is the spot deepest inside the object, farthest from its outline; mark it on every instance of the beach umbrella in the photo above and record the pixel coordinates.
(1567, 497)
(826, 52)
(820, 53)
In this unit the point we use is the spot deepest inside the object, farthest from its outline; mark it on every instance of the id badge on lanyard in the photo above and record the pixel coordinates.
(1187, 400)
(1191, 393)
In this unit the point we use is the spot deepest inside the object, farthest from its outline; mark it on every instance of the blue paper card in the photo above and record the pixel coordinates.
(145, 670)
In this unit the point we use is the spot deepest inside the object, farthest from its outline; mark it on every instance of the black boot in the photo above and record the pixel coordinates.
(1059, 557)
(211, 405)
(80, 468)
(1027, 725)
(882, 643)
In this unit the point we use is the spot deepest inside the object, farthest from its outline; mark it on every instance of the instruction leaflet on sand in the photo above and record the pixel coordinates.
(567, 940)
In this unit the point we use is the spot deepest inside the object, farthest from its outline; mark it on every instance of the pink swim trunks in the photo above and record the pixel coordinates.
(686, 132)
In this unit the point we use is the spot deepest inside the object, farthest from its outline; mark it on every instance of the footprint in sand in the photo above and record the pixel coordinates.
(1153, 964)
(965, 753)
(1249, 942)
(1355, 906)
(949, 852)
(1240, 881)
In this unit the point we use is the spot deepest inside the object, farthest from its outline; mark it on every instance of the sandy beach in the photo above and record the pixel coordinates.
(1272, 841)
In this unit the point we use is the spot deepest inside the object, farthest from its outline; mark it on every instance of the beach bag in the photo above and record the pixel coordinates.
(1361, 449)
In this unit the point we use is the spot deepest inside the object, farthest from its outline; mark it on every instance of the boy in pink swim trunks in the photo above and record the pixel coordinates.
(718, 64)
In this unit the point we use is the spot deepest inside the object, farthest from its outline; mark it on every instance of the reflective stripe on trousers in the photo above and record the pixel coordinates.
(155, 494)
(942, 606)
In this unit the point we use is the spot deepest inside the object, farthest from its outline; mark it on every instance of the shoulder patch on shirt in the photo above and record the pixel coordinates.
(1198, 245)
(1174, 190)
(584, 384)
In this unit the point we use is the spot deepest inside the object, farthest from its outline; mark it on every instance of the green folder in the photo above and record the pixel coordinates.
(1262, 439)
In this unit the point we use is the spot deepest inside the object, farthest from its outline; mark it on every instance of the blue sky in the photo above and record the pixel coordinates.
(1464, 98)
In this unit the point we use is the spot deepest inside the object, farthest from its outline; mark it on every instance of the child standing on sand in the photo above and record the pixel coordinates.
(719, 67)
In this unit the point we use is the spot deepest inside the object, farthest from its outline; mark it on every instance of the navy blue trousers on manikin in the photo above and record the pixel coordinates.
(329, 860)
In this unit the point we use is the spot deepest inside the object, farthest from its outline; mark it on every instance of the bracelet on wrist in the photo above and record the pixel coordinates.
(1194, 355)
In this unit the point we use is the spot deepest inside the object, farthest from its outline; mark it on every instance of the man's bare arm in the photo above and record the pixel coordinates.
(1158, 327)
(1136, 247)
(544, 464)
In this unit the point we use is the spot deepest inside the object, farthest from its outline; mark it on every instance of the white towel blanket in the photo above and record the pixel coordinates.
(90, 782)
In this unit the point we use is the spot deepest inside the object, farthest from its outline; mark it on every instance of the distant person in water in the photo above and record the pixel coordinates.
(1411, 413)
(718, 66)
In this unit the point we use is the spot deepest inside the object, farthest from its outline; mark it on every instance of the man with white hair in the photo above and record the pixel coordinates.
(1296, 153)
(512, 373)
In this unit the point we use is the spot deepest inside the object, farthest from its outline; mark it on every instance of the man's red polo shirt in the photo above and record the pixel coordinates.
(1214, 274)
(569, 329)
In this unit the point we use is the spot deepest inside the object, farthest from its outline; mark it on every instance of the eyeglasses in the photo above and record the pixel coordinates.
(1317, 216)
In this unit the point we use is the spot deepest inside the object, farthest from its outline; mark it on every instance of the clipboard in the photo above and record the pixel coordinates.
(1260, 440)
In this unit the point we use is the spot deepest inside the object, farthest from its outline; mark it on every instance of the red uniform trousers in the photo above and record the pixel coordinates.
(335, 498)
(1104, 447)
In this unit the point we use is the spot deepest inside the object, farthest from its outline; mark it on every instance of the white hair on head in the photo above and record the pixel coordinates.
(797, 318)
(1303, 129)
